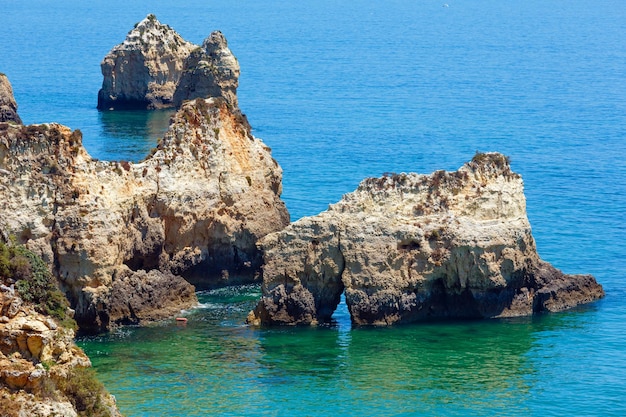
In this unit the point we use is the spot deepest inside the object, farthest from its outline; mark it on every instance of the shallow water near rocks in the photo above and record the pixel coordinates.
(215, 366)
(345, 90)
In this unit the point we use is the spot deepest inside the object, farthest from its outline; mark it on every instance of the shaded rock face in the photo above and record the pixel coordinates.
(156, 68)
(412, 247)
(8, 106)
(28, 340)
(126, 240)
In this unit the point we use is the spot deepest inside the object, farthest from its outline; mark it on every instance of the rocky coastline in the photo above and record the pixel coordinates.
(128, 241)
(42, 371)
(409, 247)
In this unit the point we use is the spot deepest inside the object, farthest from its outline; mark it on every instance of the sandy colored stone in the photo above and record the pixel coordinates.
(8, 106)
(209, 71)
(410, 247)
(27, 388)
(154, 67)
(192, 211)
(35, 325)
(143, 71)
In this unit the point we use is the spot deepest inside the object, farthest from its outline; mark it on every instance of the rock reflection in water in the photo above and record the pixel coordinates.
(474, 368)
(406, 368)
(130, 134)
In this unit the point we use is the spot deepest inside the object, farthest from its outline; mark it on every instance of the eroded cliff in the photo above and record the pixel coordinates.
(125, 239)
(154, 67)
(42, 371)
(412, 247)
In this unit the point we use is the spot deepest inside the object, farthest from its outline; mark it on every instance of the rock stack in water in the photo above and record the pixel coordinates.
(126, 239)
(156, 68)
(412, 247)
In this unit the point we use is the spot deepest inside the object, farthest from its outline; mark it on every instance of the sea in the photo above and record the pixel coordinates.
(344, 90)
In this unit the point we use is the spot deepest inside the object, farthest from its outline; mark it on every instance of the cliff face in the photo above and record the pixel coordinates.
(413, 247)
(42, 371)
(122, 236)
(156, 68)
(8, 106)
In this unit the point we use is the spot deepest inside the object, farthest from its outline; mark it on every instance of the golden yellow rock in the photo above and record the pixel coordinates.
(38, 359)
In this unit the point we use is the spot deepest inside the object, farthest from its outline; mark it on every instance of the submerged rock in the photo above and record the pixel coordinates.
(8, 106)
(412, 247)
(156, 68)
(126, 239)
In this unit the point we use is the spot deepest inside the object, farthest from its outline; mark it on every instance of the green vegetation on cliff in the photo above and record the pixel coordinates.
(85, 392)
(34, 282)
(31, 375)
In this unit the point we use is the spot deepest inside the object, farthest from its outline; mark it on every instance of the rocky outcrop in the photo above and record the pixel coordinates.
(8, 106)
(42, 371)
(144, 70)
(209, 71)
(193, 209)
(412, 247)
(156, 68)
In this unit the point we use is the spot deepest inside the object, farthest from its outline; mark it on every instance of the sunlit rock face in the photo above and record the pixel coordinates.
(38, 361)
(154, 68)
(413, 247)
(209, 71)
(127, 240)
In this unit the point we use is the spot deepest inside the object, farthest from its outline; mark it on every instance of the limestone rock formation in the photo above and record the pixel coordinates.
(194, 208)
(412, 247)
(209, 71)
(40, 366)
(8, 106)
(156, 68)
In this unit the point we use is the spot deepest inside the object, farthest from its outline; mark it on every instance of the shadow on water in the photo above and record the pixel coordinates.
(472, 363)
(130, 134)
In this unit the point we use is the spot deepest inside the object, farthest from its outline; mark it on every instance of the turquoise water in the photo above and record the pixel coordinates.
(215, 366)
(343, 90)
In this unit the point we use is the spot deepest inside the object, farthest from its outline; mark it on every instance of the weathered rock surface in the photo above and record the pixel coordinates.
(412, 247)
(209, 71)
(195, 208)
(39, 364)
(8, 106)
(156, 68)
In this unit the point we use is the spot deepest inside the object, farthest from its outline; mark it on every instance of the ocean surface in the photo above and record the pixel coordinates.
(345, 90)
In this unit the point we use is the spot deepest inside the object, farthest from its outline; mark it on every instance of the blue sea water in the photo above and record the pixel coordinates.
(341, 91)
